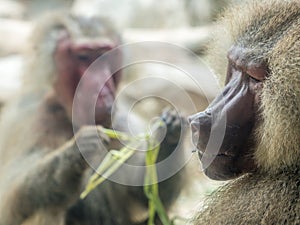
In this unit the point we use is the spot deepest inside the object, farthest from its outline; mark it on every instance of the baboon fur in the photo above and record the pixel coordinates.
(270, 31)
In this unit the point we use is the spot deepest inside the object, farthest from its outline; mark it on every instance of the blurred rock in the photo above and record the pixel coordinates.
(14, 36)
(35, 8)
(158, 14)
(193, 38)
(10, 74)
(204, 11)
(160, 74)
(11, 9)
(199, 12)
(152, 13)
(136, 13)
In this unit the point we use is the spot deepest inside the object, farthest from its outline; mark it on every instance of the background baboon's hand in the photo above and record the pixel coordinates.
(175, 123)
(92, 144)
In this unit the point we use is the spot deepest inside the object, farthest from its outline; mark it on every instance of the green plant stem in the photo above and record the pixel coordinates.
(108, 166)
(115, 134)
(151, 186)
(114, 159)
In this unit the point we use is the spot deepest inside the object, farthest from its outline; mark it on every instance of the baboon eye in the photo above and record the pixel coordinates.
(83, 57)
(254, 79)
(257, 72)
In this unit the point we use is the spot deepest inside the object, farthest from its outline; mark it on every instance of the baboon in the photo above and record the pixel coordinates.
(261, 106)
(43, 171)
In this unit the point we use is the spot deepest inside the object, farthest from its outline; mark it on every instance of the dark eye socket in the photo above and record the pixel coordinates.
(86, 57)
(83, 57)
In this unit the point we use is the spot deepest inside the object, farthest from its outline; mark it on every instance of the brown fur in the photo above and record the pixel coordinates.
(254, 199)
(270, 31)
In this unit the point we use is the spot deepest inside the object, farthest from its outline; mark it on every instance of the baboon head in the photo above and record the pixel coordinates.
(260, 102)
(66, 47)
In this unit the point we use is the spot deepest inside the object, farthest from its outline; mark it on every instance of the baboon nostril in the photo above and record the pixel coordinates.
(208, 111)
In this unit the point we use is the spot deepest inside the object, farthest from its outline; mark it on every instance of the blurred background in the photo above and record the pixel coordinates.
(185, 23)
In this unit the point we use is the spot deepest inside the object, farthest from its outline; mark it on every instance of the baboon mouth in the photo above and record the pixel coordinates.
(226, 154)
(202, 153)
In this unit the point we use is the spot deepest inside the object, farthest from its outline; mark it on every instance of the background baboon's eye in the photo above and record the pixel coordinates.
(83, 57)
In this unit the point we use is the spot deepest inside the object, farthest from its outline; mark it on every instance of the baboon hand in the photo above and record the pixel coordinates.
(92, 144)
(175, 123)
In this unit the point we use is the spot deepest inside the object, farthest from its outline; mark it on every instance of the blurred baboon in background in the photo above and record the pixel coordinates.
(42, 168)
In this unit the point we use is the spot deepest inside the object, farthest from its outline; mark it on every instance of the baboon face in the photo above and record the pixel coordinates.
(95, 86)
(237, 108)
